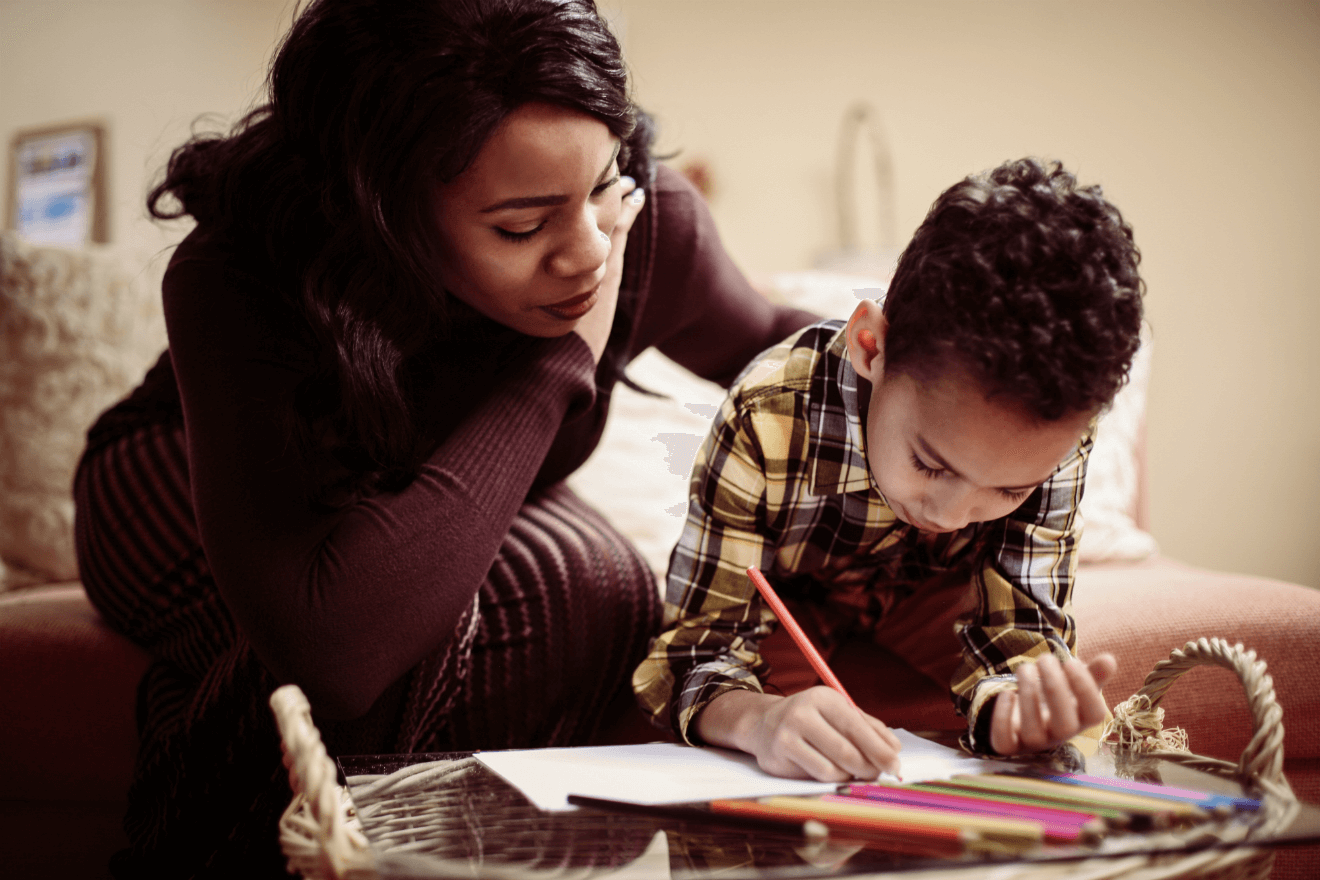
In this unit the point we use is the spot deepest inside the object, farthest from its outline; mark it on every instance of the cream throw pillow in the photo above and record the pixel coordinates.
(78, 329)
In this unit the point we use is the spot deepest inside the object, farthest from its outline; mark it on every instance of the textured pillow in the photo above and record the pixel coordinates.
(78, 328)
(1113, 476)
(638, 474)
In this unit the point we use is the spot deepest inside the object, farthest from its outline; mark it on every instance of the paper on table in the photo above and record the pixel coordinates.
(666, 773)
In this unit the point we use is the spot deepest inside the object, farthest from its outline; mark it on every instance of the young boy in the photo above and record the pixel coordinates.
(866, 467)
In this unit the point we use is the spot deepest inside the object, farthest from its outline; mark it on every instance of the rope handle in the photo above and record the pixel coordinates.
(316, 833)
(1137, 725)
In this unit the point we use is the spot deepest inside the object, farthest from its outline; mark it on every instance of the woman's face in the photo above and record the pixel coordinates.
(524, 230)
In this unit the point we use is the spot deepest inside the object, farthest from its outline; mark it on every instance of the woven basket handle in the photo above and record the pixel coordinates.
(1262, 759)
(314, 831)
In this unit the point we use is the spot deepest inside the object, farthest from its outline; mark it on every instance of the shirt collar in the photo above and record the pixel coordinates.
(837, 448)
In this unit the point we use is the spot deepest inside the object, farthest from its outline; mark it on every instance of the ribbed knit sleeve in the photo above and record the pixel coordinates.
(344, 602)
(700, 309)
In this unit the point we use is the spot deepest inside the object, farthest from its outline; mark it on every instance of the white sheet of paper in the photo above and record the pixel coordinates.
(666, 773)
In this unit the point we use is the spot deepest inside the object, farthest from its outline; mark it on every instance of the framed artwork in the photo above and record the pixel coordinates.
(57, 185)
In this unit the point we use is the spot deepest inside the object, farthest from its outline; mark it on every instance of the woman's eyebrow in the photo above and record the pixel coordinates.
(525, 202)
(944, 465)
(548, 201)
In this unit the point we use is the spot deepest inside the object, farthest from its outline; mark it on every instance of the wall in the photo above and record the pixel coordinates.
(146, 68)
(1198, 117)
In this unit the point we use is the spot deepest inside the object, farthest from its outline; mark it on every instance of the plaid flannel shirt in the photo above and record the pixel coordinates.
(782, 483)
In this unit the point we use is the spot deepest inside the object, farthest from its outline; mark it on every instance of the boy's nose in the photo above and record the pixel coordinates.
(947, 520)
(583, 249)
(951, 511)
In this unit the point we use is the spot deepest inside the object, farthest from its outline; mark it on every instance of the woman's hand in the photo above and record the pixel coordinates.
(594, 327)
(816, 734)
(1054, 701)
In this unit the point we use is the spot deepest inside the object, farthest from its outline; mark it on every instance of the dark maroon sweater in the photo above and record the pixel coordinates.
(345, 601)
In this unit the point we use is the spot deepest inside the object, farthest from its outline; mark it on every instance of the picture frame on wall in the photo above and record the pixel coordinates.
(57, 192)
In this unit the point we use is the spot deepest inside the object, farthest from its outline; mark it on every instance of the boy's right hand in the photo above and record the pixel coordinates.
(816, 734)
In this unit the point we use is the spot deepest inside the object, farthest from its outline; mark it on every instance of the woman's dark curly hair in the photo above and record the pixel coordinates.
(370, 104)
(1027, 281)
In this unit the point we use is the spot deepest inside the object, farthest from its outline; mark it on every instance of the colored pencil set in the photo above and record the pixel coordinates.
(994, 813)
(999, 813)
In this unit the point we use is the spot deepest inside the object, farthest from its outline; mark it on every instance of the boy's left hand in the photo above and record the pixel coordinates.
(1054, 701)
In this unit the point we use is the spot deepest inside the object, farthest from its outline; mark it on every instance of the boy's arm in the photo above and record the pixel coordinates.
(714, 617)
(1024, 595)
(702, 674)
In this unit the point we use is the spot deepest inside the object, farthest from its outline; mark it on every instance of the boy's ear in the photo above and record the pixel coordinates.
(866, 340)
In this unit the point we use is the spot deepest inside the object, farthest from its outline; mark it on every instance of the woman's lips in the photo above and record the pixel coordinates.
(575, 307)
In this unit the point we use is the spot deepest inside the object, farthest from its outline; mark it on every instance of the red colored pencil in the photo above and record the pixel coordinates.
(804, 644)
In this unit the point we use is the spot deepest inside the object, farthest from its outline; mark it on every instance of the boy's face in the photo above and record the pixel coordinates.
(942, 454)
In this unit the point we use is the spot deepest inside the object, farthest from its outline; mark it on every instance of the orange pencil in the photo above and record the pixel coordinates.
(804, 644)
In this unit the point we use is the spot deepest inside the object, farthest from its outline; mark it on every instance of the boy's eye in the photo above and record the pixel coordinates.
(510, 235)
(925, 469)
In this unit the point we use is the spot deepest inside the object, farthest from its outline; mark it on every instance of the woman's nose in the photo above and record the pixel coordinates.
(583, 249)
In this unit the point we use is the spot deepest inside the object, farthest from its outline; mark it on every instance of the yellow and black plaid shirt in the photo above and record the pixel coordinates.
(782, 483)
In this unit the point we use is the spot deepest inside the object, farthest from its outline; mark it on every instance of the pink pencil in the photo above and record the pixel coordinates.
(804, 644)
(1058, 824)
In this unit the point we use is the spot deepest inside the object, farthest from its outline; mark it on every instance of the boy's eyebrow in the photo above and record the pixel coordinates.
(548, 201)
(944, 465)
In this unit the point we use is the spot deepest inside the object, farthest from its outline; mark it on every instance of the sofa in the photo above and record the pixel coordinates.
(79, 327)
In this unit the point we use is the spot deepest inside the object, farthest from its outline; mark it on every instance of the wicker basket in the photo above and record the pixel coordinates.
(323, 840)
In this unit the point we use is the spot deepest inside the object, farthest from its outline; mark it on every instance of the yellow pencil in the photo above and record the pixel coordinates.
(1057, 792)
(1016, 835)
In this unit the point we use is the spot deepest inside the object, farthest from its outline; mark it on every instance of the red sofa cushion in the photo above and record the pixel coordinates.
(74, 683)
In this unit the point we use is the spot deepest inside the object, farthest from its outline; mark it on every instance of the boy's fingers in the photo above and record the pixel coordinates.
(816, 765)
(883, 746)
(1102, 668)
(886, 734)
(825, 736)
(1004, 724)
(1059, 699)
(865, 746)
(1091, 707)
(1030, 709)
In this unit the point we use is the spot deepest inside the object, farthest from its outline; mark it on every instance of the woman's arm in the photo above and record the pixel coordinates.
(701, 311)
(344, 602)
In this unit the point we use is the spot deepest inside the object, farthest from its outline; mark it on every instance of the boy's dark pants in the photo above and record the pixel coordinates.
(912, 656)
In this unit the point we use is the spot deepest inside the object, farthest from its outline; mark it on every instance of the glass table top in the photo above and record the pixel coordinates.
(448, 815)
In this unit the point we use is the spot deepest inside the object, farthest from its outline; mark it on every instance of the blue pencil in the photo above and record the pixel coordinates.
(1205, 800)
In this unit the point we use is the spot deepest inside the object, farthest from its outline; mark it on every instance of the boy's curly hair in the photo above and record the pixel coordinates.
(1027, 281)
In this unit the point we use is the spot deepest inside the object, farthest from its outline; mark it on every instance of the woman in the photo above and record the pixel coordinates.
(416, 274)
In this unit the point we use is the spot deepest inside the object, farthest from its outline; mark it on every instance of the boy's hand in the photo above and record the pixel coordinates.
(1054, 701)
(814, 734)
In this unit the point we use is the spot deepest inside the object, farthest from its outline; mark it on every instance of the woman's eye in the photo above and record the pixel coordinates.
(1015, 494)
(599, 190)
(510, 235)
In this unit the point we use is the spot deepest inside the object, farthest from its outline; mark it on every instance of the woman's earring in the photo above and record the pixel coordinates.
(604, 235)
